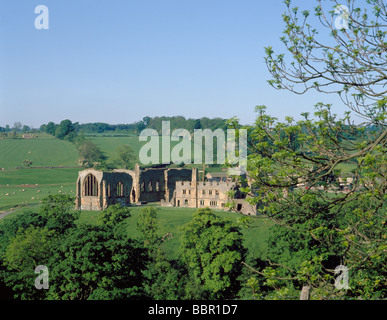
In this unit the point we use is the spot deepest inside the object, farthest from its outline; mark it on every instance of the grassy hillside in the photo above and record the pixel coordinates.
(38, 176)
(27, 186)
(22, 187)
(44, 151)
(110, 144)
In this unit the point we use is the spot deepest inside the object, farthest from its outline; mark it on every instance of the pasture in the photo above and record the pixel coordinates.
(21, 186)
(44, 151)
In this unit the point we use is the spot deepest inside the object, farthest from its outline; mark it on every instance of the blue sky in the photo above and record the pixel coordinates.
(120, 60)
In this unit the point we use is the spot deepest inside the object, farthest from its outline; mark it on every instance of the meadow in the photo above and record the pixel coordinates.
(22, 188)
(54, 170)
(24, 195)
(43, 151)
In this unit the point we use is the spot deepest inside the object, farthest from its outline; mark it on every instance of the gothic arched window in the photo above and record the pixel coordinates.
(90, 186)
(120, 189)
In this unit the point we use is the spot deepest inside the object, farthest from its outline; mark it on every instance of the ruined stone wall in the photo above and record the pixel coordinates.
(171, 177)
(152, 184)
(117, 188)
(135, 191)
(242, 206)
(84, 201)
(110, 188)
(210, 194)
(172, 187)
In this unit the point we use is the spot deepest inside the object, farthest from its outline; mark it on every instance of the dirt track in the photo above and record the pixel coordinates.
(5, 213)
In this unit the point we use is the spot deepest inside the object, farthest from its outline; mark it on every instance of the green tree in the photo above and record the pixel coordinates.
(65, 128)
(57, 211)
(89, 153)
(12, 226)
(164, 279)
(12, 134)
(27, 163)
(17, 126)
(93, 262)
(349, 225)
(27, 250)
(147, 225)
(113, 215)
(197, 124)
(351, 63)
(10, 229)
(146, 120)
(51, 128)
(125, 156)
(212, 251)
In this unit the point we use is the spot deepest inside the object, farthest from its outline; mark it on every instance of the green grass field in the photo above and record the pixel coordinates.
(44, 151)
(27, 186)
(110, 144)
(20, 196)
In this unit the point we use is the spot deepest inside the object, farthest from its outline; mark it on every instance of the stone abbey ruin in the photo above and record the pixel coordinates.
(176, 187)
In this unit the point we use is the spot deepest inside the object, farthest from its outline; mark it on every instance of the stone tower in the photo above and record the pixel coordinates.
(194, 185)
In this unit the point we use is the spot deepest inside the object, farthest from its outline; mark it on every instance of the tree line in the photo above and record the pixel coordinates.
(136, 127)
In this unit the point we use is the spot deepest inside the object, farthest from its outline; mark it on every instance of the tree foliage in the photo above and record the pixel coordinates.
(89, 153)
(294, 166)
(64, 129)
(94, 263)
(113, 215)
(352, 62)
(57, 211)
(84, 262)
(125, 156)
(212, 250)
(28, 240)
(147, 225)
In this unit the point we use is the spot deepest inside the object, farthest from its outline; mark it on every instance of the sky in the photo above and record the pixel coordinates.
(118, 61)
